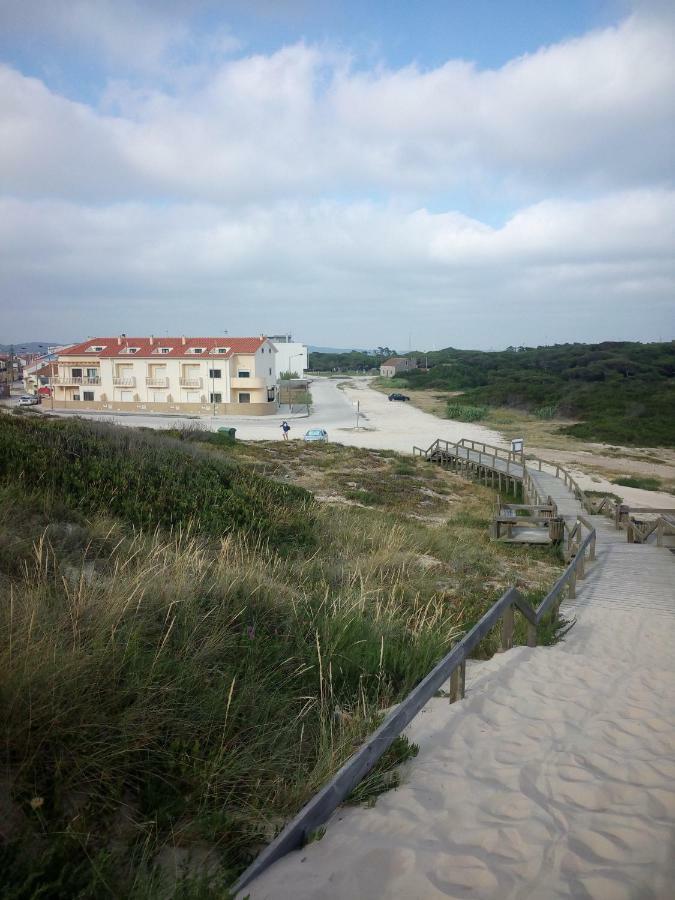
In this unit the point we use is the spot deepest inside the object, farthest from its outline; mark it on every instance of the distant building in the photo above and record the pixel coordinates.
(395, 365)
(291, 356)
(223, 375)
(39, 374)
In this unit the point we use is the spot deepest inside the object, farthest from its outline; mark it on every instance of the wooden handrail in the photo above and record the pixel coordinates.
(453, 667)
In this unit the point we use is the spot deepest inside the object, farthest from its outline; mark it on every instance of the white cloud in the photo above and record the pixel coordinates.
(188, 266)
(240, 191)
(592, 113)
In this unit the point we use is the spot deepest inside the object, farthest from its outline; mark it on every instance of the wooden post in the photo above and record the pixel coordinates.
(659, 533)
(531, 635)
(573, 585)
(454, 685)
(507, 629)
(581, 571)
(591, 555)
(462, 680)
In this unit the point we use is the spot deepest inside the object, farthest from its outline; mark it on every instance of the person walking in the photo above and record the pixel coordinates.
(285, 427)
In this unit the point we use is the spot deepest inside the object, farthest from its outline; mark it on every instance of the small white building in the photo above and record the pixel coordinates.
(291, 356)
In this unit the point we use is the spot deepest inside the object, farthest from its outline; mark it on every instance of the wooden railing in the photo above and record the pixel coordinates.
(453, 667)
(525, 466)
(487, 456)
(639, 532)
(492, 450)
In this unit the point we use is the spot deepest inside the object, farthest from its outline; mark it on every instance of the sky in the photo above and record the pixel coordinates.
(467, 173)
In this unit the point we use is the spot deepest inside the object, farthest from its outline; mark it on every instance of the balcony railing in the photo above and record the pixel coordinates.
(158, 381)
(128, 381)
(69, 379)
(191, 382)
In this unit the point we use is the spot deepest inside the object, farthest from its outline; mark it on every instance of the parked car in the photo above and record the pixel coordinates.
(28, 400)
(316, 434)
(398, 397)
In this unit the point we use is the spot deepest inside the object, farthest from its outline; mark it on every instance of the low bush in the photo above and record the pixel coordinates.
(639, 481)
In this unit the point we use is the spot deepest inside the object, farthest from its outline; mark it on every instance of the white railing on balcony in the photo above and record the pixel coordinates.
(128, 381)
(191, 382)
(160, 381)
(69, 379)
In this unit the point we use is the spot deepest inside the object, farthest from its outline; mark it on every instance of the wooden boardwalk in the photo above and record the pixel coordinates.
(553, 778)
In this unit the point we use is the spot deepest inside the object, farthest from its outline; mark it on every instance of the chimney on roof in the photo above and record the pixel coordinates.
(119, 341)
(152, 339)
(182, 340)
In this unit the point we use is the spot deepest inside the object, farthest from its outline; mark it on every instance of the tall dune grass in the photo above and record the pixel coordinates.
(170, 691)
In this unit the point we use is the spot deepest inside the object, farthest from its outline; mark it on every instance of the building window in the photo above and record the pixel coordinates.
(270, 395)
(243, 373)
(244, 398)
(76, 373)
(162, 350)
(76, 396)
(131, 350)
(216, 398)
(87, 395)
(196, 350)
(214, 373)
(222, 349)
(94, 349)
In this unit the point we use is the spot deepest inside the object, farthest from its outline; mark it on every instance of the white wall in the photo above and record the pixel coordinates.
(290, 357)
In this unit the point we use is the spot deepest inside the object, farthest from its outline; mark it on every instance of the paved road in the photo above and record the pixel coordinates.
(383, 424)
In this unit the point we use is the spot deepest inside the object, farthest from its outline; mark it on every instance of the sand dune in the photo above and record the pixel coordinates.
(554, 778)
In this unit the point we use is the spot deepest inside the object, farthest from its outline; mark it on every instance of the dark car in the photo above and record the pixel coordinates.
(398, 397)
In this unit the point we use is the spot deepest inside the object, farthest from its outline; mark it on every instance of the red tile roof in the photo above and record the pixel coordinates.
(176, 345)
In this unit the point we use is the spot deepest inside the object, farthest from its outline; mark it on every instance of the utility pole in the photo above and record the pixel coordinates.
(358, 413)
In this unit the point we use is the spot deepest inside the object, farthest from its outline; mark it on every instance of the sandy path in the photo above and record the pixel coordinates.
(398, 426)
(554, 778)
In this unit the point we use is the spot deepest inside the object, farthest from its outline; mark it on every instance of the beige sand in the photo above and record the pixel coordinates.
(554, 778)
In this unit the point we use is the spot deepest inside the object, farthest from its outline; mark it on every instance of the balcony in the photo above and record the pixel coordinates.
(157, 381)
(190, 382)
(254, 384)
(127, 381)
(71, 380)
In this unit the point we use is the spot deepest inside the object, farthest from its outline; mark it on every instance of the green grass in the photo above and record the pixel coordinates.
(466, 413)
(172, 686)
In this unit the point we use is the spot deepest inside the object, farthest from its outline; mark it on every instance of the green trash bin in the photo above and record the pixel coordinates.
(230, 432)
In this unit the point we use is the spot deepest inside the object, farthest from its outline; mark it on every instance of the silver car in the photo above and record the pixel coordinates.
(28, 400)
(316, 434)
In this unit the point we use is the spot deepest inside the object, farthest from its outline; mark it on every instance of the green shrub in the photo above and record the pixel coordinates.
(148, 479)
(464, 413)
(639, 481)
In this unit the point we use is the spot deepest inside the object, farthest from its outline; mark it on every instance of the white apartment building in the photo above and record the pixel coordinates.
(222, 375)
(291, 355)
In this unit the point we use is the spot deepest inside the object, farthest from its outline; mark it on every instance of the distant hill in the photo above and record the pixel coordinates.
(313, 349)
(21, 347)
